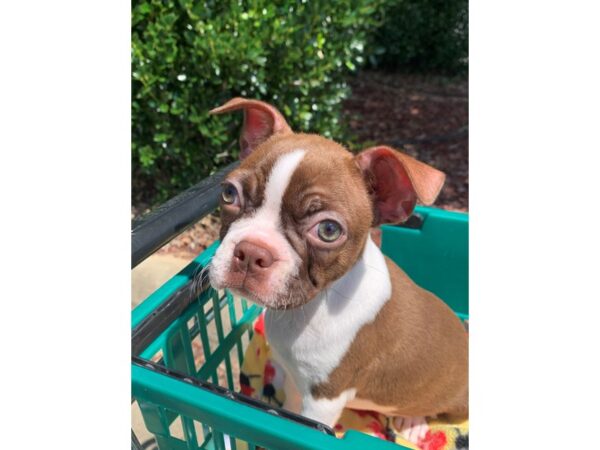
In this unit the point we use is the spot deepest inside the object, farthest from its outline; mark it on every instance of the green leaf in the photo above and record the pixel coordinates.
(160, 137)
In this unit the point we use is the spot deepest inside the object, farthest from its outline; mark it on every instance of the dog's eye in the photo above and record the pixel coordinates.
(329, 230)
(229, 194)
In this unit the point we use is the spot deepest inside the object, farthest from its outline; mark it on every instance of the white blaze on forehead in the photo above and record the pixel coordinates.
(278, 181)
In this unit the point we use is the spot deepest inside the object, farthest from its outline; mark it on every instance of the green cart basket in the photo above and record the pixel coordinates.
(188, 341)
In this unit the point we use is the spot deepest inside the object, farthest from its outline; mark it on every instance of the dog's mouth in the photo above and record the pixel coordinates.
(241, 289)
(263, 289)
(277, 302)
(248, 295)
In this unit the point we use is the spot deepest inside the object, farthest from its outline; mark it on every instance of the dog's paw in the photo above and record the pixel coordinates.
(412, 429)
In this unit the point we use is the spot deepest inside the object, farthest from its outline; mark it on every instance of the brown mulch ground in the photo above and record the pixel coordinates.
(191, 242)
(424, 116)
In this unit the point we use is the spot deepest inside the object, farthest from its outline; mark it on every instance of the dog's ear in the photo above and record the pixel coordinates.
(261, 121)
(396, 181)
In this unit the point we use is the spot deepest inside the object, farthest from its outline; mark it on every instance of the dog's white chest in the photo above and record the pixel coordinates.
(310, 341)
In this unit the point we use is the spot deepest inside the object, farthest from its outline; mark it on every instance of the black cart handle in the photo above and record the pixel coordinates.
(152, 231)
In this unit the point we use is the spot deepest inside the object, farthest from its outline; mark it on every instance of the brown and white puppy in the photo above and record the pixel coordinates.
(347, 324)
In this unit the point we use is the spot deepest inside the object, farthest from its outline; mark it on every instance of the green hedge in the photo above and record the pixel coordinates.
(189, 56)
(423, 36)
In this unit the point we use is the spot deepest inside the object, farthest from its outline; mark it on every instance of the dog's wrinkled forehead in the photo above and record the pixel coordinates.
(295, 177)
(318, 161)
(265, 182)
(277, 180)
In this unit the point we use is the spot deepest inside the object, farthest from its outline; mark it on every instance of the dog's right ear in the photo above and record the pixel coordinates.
(261, 121)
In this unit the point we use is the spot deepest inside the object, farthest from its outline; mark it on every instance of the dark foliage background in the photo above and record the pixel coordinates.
(423, 36)
(190, 56)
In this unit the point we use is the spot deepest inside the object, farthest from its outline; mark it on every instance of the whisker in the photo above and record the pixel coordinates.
(304, 314)
(198, 279)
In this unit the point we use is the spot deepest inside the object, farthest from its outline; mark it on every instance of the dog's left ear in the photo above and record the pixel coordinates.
(396, 181)
(261, 121)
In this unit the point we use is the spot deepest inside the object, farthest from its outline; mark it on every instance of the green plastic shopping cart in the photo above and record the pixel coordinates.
(188, 341)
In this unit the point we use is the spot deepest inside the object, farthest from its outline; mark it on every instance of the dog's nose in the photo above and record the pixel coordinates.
(252, 257)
